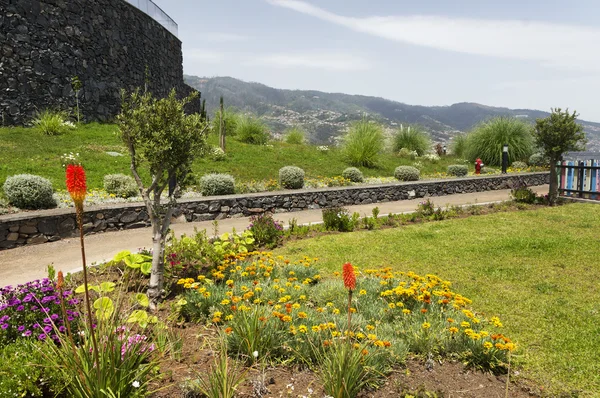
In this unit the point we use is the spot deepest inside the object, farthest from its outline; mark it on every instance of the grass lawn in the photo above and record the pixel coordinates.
(26, 150)
(538, 270)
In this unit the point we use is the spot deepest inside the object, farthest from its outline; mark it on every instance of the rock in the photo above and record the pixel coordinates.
(178, 220)
(14, 228)
(13, 236)
(140, 224)
(47, 227)
(221, 216)
(128, 217)
(66, 225)
(204, 217)
(214, 207)
(37, 240)
(100, 216)
(256, 210)
(225, 209)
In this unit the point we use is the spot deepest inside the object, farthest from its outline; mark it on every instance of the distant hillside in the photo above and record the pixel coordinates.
(326, 115)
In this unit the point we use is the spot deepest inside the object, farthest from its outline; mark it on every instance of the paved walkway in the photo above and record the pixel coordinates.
(29, 262)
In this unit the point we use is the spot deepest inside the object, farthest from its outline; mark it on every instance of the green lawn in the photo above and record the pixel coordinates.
(538, 270)
(25, 150)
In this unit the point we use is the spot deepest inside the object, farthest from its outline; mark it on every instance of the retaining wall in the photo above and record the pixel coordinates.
(51, 225)
(109, 44)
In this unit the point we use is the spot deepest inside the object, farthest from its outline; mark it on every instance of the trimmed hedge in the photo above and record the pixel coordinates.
(407, 173)
(353, 174)
(291, 177)
(121, 185)
(217, 184)
(28, 191)
(458, 170)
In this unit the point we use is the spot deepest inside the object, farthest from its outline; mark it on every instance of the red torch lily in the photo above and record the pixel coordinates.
(349, 283)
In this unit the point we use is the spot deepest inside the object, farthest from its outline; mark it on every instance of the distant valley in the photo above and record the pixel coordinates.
(327, 115)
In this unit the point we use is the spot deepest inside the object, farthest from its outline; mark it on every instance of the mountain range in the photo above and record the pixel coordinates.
(326, 116)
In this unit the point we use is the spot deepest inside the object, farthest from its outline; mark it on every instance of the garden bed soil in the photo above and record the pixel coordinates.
(450, 379)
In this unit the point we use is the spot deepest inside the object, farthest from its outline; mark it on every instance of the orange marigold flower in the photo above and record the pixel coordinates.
(349, 276)
(228, 330)
(76, 184)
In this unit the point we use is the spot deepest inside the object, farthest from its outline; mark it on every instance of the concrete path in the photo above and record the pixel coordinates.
(27, 263)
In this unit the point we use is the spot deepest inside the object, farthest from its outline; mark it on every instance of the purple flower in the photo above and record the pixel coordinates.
(27, 333)
(21, 308)
(47, 329)
(54, 317)
(42, 336)
(4, 326)
(28, 298)
(62, 329)
(4, 318)
(21, 328)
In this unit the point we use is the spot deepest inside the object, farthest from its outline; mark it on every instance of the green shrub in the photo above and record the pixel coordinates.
(407, 173)
(488, 170)
(353, 174)
(518, 165)
(266, 231)
(121, 185)
(407, 154)
(413, 138)
(27, 191)
(339, 219)
(217, 184)
(488, 138)
(538, 159)
(363, 143)
(217, 154)
(458, 170)
(291, 177)
(52, 122)
(251, 131)
(458, 146)
(24, 373)
(523, 194)
(295, 136)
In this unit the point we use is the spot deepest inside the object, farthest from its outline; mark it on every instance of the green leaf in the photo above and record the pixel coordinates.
(121, 255)
(145, 268)
(104, 308)
(225, 236)
(142, 299)
(106, 287)
(81, 289)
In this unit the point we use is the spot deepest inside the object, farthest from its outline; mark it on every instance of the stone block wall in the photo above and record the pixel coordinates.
(51, 225)
(108, 44)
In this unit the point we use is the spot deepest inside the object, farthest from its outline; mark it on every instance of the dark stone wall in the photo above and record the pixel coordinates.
(51, 225)
(106, 43)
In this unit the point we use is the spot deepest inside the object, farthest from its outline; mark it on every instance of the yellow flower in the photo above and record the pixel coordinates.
(465, 324)
(406, 311)
(295, 306)
(315, 328)
(302, 315)
(426, 325)
(370, 327)
(362, 292)
(372, 336)
(487, 345)
(286, 318)
(225, 302)
(378, 343)
(453, 330)
(217, 314)
(360, 336)
(336, 311)
(302, 329)
(229, 317)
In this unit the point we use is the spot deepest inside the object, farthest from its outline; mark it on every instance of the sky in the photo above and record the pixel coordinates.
(530, 54)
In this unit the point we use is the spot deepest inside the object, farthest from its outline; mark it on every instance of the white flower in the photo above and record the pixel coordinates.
(255, 354)
(136, 384)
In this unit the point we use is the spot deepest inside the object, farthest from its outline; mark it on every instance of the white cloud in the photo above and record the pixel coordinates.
(203, 55)
(220, 37)
(550, 44)
(314, 60)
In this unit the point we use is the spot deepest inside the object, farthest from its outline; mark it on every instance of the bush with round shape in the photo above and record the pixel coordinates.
(407, 173)
(538, 159)
(27, 191)
(413, 138)
(407, 154)
(121, 185)
(291, 177)
(488, 138)
(353, 174)
(518, 165)
(488, 170)
(217, 154)
(458, 170)
(217, 184)
(251, 131)
(363, 143)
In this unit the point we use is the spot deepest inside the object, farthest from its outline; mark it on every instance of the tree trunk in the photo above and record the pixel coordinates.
(155, 287)
(553, 190)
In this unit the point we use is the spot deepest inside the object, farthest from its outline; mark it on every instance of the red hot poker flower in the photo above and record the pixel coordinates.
(349, 276)
(76, 184)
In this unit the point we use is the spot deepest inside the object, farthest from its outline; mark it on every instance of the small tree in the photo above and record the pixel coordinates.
(163, 139)
(555, 135)
(77, 86)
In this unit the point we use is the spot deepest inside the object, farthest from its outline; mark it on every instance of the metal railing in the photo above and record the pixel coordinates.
(156, 13)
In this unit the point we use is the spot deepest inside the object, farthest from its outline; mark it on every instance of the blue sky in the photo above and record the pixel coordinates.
(518, 54)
